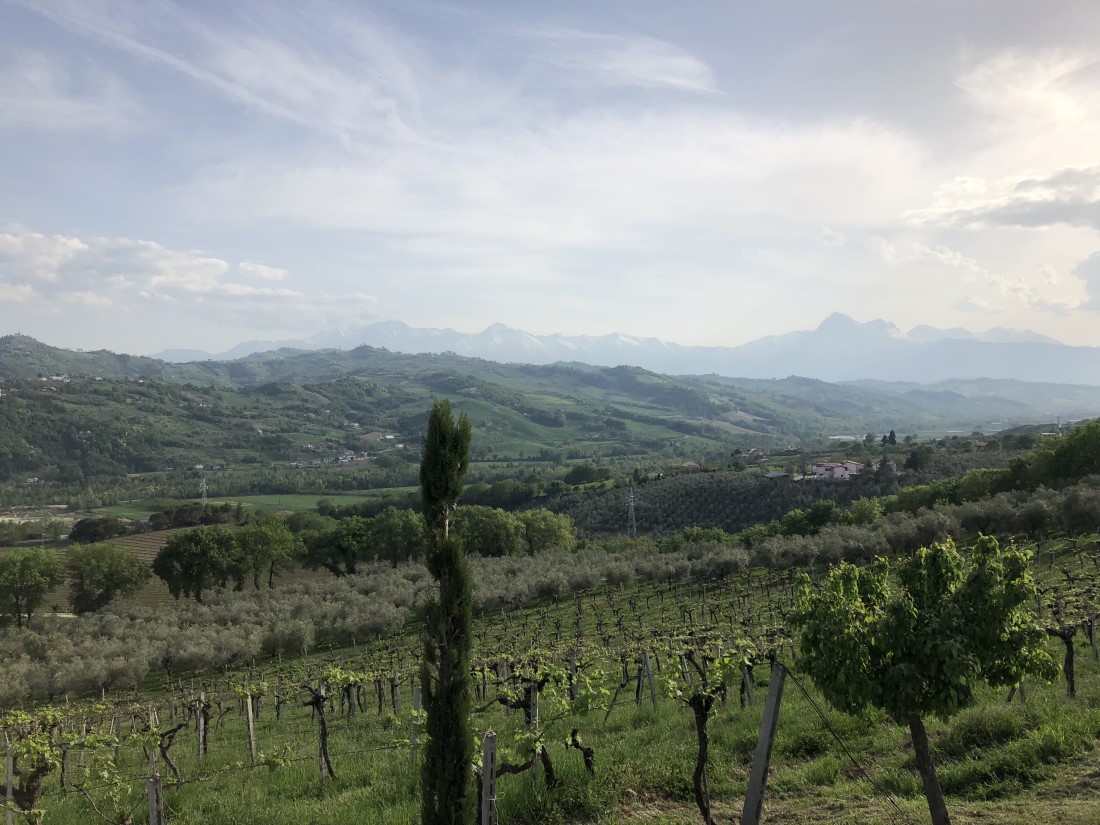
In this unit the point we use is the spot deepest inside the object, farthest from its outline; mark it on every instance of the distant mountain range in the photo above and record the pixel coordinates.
(790, 407)
(840, 349)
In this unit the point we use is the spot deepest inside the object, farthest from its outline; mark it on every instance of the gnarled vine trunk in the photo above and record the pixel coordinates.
(701, 705)
(1066, 634)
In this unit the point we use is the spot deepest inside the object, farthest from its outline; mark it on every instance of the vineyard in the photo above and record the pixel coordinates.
(726, 500)
(597, 700)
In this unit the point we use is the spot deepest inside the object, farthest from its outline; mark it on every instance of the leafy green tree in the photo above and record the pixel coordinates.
(99, 573)
(90, 530)
(445, 669)
(865, 511)
(197, 560)
(917, 641)
(398, 535)
(340, 549)
(487, 531)
(919, 457)
(1081, 510)
(978, 484)
(1065, 458)
(27, 576)
(544, 529)
(587, 473)
(266, 547)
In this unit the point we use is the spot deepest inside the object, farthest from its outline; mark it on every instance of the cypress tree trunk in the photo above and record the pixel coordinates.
(445, 772)
(445, 671)
(937, 807)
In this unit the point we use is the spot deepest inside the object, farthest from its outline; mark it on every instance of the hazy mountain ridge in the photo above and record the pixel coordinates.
(839, 349)
(794, 406)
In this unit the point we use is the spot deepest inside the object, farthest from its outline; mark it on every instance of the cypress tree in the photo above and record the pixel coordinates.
(445, 671)
(443, 464)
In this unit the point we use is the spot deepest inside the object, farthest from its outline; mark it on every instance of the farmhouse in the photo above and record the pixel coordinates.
(842, 471)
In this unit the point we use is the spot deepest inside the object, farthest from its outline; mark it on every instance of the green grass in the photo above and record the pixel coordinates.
(999, 763)
(129, 510)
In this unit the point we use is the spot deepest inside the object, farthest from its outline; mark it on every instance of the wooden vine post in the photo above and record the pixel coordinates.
(416, 718)
(155, 791)
(489, 779)
(758, 778)
(9, 797)
(200, 725)
(251, 726)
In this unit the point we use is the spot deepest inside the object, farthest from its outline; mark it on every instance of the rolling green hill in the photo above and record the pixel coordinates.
(70, 417)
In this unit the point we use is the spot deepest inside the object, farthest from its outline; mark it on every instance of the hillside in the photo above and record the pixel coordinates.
(73, 429)
(69, 416)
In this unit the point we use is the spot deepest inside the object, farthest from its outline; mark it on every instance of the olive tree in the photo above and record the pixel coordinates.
(916, 640)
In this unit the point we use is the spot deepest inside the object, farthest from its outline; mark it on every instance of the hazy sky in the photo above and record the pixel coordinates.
(197, 174)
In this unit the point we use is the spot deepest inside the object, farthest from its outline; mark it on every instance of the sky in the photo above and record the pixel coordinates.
(204, 173)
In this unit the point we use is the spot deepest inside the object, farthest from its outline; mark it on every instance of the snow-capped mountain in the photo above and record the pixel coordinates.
(839, 349)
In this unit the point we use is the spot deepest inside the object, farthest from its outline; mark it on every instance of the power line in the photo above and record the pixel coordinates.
(862, 771)
(631, 521)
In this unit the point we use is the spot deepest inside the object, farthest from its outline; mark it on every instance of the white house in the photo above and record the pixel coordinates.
(842, 471)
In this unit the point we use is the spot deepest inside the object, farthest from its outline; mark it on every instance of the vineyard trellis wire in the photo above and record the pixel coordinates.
(583, 652)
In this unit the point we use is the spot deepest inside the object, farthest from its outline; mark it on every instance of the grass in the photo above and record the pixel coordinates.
(998, 763)
(135, 510)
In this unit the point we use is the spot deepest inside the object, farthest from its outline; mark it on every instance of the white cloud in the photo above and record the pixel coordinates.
(150, 282)
(969, 303)
(38, 92)
(831, 238)
(1025, 291)
(970, 268)
(533, 162)
(1024, 88)
(607, 181)
(333, 72)
(29, 254)
(261, 272)
(1067, 196)
(596, 59)
(1088, 271)
(91, 270)
(93, 299)
(17, 293)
